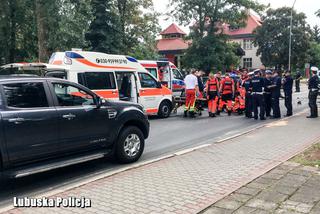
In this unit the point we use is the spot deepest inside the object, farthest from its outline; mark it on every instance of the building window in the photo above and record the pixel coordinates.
(247, 44)
(233, 28)
(247, 62)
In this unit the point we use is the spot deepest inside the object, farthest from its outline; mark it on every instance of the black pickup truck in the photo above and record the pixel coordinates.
(48, 123)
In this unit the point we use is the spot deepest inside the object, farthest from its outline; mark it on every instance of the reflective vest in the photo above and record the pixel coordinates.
(227, 84)
(212, 84)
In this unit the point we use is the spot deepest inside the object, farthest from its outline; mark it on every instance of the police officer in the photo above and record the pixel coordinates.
(275, 93)
(313, 86)
(298, 77)
(257, 85)
(287, 83)
(248, 97)
(267, 92)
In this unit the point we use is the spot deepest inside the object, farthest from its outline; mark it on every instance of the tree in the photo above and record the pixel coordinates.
(104, 33)
(75, 18)
(316, 34)
(139, 27)
(206, 34)
(272, 38)
(314, 53)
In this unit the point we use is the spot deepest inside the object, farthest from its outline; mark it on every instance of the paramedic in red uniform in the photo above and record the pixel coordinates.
(192, 89)
(212, 88)
(227, 92)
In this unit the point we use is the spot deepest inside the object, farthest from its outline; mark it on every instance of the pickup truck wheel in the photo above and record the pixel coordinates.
(130, 145)
(164, 109)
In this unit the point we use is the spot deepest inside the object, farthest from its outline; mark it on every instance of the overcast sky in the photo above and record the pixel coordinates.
(309, 7)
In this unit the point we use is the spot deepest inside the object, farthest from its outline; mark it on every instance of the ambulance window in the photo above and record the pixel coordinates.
(153, 71)
(97, 80)
(147, 81)
(177, 74)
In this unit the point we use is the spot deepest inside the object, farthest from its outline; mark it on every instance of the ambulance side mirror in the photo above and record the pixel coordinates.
(159, 85)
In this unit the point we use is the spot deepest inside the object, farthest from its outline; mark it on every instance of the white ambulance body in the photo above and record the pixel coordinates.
(113, 77)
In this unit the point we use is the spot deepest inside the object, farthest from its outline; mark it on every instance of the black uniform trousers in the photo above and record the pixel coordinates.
(258, 101)
(313, 103)
(268, 102)
(248, 105)
(276, 106)
(288, 102)
(297, 83)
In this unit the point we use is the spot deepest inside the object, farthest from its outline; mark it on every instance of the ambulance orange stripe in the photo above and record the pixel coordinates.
(57, 62)
(108, 94)
(86, 62)
(155, 92)
(152, 111)
(150, 65)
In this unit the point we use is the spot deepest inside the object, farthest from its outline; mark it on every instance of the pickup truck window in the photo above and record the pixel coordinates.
(25, 95)
(68, 95)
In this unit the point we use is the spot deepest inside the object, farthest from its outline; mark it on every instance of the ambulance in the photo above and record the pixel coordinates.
(166, 72)
(113, 77)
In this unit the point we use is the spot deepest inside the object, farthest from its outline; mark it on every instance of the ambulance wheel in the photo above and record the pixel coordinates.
(165, 109)
(130, 145)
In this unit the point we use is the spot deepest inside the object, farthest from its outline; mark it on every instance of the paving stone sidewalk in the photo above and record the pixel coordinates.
(191, 182)
(289, 188)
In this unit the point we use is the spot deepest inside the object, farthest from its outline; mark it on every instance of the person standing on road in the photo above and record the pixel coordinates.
(218, 77)
(192, 89)
(276, 93)
(313, 86)
(287, 83)
(227, 92)
(212, 87)
(297, 78)
(267, 92)
(257, 85)
(248, 96)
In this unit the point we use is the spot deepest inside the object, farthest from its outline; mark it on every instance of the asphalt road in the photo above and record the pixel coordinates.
(166, 137)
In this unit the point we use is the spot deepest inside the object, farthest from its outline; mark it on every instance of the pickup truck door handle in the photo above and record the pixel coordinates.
(17, 120)
(68, 116)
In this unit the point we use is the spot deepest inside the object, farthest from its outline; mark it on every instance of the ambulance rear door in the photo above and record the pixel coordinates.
(166, 71)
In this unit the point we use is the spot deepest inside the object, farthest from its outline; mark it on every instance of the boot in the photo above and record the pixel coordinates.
(192, 114)
(210, 114)
(213, 115)
(229, 113)
(185, 114)
(218, 113)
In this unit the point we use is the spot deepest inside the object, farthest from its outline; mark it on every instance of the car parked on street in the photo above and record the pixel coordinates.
(49, 123)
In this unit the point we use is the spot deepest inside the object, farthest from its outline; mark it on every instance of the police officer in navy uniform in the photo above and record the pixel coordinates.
(275, 93)
(267, 92)
(287, 83)
(257, 85)
(313, 86)
(248, 98)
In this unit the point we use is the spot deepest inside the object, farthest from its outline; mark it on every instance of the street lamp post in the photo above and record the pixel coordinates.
(290, 39)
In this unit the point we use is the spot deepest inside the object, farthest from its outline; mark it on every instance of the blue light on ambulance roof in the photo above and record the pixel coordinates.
(74, 55)
(131, 59)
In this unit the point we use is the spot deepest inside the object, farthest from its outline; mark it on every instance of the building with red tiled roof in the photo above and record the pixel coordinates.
(172, 44)
(244, 36)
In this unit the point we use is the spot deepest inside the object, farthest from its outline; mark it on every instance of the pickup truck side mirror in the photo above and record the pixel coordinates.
(100, 101)
(159, 85)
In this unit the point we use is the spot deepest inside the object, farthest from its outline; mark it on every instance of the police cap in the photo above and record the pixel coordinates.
(314, 68)
(268, 72)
